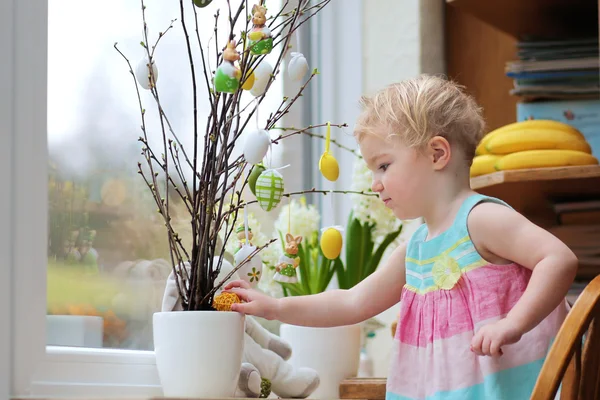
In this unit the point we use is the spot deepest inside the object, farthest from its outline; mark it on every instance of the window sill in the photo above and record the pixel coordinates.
(72, 371)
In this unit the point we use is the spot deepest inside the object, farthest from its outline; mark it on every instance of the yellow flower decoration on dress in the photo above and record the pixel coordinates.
(446, 272)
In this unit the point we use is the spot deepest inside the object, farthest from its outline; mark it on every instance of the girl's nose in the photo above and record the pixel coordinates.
(376, 186)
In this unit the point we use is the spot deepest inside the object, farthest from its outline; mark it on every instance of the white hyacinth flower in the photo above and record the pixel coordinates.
(303, 221)
(370, 209)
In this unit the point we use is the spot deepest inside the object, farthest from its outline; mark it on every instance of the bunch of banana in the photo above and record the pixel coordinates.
(531, 144)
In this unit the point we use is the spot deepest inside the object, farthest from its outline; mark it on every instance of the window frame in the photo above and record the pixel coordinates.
(34, 369)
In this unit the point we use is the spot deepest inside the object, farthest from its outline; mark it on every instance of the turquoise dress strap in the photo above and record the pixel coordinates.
(460, 221)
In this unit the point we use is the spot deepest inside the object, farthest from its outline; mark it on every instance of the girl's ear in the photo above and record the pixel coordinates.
(439, 151)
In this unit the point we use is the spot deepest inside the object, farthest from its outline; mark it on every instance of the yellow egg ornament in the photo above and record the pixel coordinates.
(249, 81)
(328, 165)
(331, 242)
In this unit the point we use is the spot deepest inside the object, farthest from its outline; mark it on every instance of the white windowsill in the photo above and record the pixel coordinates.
(72, 371)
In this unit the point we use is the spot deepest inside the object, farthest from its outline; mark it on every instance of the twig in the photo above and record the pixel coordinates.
(314, 135)
(234, 270)
(313, 190)
(160, 36)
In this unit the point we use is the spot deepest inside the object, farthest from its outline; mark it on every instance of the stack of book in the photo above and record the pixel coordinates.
(559, 69)
(579, 228)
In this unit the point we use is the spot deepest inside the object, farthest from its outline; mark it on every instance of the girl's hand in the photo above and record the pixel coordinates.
(256, 303)
(490, 338)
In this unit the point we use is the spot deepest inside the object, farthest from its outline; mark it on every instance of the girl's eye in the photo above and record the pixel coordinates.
(384, 167)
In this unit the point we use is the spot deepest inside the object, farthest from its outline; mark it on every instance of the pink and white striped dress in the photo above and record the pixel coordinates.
(450, 292)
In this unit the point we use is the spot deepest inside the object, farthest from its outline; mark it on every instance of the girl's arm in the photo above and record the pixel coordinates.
(375, 294)
(502, 232)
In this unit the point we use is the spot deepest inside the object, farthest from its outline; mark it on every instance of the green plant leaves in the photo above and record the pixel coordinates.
(362, 259)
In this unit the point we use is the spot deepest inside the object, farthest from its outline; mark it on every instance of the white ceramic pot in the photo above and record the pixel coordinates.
(198, 353)
(333, 352)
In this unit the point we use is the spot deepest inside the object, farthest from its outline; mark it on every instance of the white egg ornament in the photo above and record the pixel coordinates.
(262, 74)
(297, 67)
(252, 270)
(256, 146)
(331, 242)
(142, 73)
(269, 189)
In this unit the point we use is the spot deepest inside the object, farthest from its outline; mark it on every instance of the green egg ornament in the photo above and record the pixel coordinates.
(269, 189)
(202, 3)
(261, 41)
(254, 174)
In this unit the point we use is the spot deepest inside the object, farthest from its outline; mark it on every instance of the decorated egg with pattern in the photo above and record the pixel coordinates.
(251, 270)
(202, 3)
(269, 189)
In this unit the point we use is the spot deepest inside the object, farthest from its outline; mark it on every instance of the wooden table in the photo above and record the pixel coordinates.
(363, 388)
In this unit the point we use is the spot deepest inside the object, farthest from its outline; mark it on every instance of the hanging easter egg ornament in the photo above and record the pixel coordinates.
(261, 41)
(244, 237)
(262, 74)
(227, 78)
(143, 76)
(328, 165)
(269, 189)
(251, 271)
(331, 242)
(297, 67)
(202, 3)
(254, 174)
(248, 83)
(256, 145)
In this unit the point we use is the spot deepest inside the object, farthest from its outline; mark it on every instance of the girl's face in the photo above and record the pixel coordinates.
(401, 175)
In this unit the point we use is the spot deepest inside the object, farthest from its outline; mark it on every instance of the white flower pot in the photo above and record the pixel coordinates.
(333, 352)
(198, 353)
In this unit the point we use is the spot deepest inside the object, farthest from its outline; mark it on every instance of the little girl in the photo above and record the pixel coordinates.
(481, 288)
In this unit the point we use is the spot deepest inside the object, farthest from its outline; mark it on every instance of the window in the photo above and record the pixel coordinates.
(107, 247)
(65, 94)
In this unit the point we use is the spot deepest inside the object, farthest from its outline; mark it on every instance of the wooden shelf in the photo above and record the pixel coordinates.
(538, 174)
(532, 191)
(535, 18)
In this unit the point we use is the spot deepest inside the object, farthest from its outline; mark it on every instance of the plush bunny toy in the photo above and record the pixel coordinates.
(264, 356)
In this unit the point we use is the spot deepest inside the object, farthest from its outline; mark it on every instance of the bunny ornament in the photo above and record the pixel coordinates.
(227, 78)
(261, 41)
(289, 261)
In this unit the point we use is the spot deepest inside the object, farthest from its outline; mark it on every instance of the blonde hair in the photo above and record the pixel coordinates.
(415, 110)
